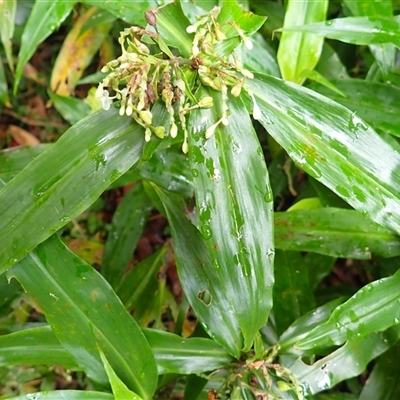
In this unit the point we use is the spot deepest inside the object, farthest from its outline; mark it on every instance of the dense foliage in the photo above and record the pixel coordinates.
(265, 135)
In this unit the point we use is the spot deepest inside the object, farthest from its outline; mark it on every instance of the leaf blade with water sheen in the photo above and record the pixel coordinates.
(84, 313)
(234, 203)
(333, 145)
(62, 182)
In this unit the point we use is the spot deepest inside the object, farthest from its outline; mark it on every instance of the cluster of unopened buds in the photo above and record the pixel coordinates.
(138, 79)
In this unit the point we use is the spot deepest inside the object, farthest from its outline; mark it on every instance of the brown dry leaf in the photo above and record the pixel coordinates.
(79, 47)
(31, 72)
(22, 136)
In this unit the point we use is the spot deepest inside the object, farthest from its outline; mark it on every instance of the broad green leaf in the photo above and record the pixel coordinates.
(72, 109)
(333, 145)
(34, 347)
(62, 182)
(319, 266)
(78, 48)
(347, 362)
(15, 159)
(385, 54)
(373, 308)
(199, 277)
(131, 12)
(334, 232)
(355, 30)
(141, 283)
(66, 395)
(175, 354)
(4, 98)
(302, 326)
(383, 383)
(293, 295)
(84, 313)
(299, 52)
(330, 65)
(234, 203)
(172, 24)
(127, 226)
(7, 20)
(377, 103)
(120, 390)
(8, 291)
(44, 19)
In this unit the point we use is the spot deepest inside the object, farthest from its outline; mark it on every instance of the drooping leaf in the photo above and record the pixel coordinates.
(62, 182)
(79, 46)
(347, 362)
(333, 145)
(373, 308)
(377, 103)
(44, 19)
(127, 226)
(334, 232)
(234, 203)
(199, 277)
(299, 52)
(84, 313)
(175, 354)
(355, 30)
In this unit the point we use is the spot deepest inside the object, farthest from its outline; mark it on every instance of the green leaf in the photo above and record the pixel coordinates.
(347, 362)
(34, 347)
(44, 19)
(84, 313)
(62, 182)
(355, 30)
(178, 355)
(292, 290)
(66, 395)
(334, 232)
(299, 52)
(4, 98)
(120, 390)
(7, 20)
(234, 203)
(127, 226)
(199, 277)
(377, 103)
(333, 145)
(72, 109)
(172, 24)
(374, 308)
(383, 383)
(14, 160)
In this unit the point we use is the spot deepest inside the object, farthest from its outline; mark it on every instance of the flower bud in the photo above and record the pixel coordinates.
(185, 147)
(146, 116)
(173, 130)
(235, 91)
(147, 135)
(159, 131)
(206, 102)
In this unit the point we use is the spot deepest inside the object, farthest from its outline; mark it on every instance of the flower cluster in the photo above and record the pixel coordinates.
(138, 79)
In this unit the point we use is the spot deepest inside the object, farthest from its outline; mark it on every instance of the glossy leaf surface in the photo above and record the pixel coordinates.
(347, 362)
(333, 145)
(199, 277)
(377, 103)
(234, 203)
(373, 308)
(66, 395)
(178, 355)
(356, 30)
(43, 20)
(299, 52)
(128, 223)
(65, 180)
(334, 232)
(84, 313)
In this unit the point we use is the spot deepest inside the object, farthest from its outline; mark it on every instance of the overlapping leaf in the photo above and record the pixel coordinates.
(234, 204)
(65, 180)
(84, 313)
(333, 145)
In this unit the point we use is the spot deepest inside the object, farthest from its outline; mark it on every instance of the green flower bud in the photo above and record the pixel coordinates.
(185, 147)
(146, 116)
(159, 131)
(147, 135)
(206, 102)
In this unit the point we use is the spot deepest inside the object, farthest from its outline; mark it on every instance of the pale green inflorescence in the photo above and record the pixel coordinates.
(138, 79)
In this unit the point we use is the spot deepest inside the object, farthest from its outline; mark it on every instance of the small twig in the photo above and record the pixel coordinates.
(32, 122)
